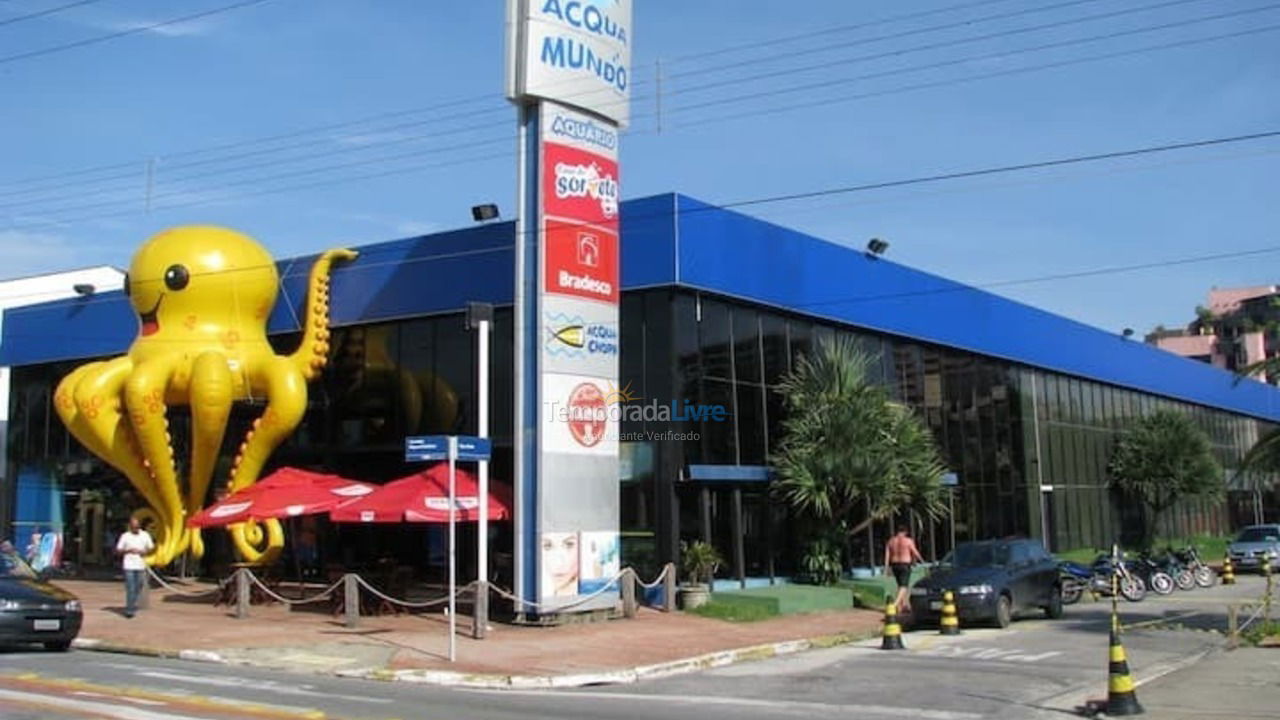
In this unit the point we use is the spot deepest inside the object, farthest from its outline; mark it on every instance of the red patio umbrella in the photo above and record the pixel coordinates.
(424, 497)
(288, 492)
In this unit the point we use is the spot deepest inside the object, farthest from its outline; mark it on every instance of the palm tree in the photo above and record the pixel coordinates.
(846, 448)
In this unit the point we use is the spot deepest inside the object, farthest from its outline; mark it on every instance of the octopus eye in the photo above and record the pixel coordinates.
(176, 277)
(126, 284)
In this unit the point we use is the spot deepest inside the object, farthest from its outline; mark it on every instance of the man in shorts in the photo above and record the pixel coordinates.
(899, 553)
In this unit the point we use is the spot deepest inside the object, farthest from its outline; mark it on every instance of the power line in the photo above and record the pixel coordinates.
(947, 63)
(919, 180)
(917, 68)
(124, 33)
(798, 105)
(487, 96)
(49, 11)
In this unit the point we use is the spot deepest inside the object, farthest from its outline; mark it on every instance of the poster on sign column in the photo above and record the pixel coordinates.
(579, 344)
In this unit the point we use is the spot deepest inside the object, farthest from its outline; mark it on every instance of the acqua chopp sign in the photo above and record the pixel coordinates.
(574, 51)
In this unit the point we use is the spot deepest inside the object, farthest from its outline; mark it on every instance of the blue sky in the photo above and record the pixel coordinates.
(287, 66)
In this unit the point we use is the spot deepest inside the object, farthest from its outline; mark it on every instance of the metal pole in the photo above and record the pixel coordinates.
(951, 512)
(520, 346)
(453, 548)
(481, 610)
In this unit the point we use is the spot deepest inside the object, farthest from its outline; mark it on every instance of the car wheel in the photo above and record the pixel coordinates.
(1053, 610)
(1004, 611)
(58, 645)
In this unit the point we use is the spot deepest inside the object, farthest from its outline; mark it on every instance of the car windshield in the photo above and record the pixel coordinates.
(1258, 534)
(980, 555)
(13, 566)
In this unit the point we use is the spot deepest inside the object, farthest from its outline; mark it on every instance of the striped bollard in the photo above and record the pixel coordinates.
(950, 622)
(1122, 698)
(892, 631)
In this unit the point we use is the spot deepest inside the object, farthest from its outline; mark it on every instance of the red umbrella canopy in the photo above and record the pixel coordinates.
(424, 497)
(288, 492)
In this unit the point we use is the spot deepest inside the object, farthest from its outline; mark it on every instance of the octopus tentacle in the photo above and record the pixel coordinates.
(144, 394)
(211, 391)
(88, 402)
(286, 391)
(313, 353)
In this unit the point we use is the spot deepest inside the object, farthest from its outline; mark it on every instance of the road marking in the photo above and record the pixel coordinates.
(99, 709)
(126, 698)
(263, 685)
(856, 711)
(988, 653)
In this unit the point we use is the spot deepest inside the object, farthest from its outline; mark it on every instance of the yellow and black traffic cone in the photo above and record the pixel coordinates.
(892, 631)
(950, 623)
(1228, 571)
(1122, 699)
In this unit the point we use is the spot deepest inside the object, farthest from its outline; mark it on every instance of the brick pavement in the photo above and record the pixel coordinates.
(415, 641)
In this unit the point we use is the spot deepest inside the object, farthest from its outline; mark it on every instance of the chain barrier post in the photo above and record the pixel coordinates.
(1122, 699)
(950, 622)
(1228, 571)
(629, 608)
(242, 593)
(351, 599)
(669, 588)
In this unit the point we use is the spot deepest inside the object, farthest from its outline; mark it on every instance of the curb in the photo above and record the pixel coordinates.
(624, 676)
(483, 681)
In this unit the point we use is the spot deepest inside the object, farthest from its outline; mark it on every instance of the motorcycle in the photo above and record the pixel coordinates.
(1153, 574)
(1077, 578)
(1203, 574)
(1182, 576)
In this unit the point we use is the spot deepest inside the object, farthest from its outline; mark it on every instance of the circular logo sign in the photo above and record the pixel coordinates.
(588, 414)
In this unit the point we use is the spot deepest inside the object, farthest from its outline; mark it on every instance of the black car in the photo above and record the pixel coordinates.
(992, 581)
(34, 611)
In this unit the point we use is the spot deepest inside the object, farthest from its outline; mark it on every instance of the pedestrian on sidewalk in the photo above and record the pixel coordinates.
(134, 546)
(899, 554)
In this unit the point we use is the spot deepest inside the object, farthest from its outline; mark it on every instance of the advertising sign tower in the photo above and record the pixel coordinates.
(567, 72)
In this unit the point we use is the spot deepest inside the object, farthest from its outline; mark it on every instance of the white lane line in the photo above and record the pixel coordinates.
(99, 709)
(857, 711)
(263, 685)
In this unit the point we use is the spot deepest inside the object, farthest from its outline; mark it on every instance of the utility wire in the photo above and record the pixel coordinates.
(124, 33)
(484, 97)
(49, 11)
(936, 178)
(507, 138)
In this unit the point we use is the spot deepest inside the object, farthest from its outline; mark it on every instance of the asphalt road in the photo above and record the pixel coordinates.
(1036, 669)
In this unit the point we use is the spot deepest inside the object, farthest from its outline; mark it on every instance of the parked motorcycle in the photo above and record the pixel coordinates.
(1153, 574)
(1203, 574)
(1182, 576)
(1077, 578)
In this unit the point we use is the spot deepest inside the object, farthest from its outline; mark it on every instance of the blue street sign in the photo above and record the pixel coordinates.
(426, 447)
(474, 448)
(950, 479)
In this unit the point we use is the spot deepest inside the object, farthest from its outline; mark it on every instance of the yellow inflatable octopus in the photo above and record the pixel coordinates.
(203, 295)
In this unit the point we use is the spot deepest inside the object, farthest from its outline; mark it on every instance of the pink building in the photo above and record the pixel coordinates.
(1238, 328)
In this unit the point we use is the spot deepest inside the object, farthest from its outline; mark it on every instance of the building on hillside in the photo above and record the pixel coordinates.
(30, 502)
(716, 308)
(1238, 328)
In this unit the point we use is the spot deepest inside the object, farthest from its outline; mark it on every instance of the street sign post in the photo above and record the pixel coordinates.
(467, 448)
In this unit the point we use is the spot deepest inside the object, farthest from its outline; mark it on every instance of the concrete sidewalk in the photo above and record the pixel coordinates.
(1242, 684)
(414, 647)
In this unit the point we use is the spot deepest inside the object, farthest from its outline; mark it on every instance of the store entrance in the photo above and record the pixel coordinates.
(743, 525)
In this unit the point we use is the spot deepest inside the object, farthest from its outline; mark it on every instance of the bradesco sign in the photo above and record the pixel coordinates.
(573, 51)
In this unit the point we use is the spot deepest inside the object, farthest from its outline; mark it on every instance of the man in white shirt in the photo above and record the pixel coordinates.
(134, 546)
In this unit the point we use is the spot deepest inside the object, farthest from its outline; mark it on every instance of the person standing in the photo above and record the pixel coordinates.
(133, 546)
(899, 554)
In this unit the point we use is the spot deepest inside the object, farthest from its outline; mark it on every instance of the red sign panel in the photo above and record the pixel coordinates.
(579, 185)
(588, 414)
(582, 261)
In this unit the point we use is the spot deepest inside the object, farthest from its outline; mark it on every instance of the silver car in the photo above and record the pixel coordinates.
(1255, 544)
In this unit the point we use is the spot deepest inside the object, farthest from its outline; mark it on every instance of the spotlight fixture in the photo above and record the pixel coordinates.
(876, 247)
(1127, 332)
(84, 288)
(481, 213)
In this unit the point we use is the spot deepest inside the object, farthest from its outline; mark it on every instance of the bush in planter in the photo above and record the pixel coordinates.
(699, 562)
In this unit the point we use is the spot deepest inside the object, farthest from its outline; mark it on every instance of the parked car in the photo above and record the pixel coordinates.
(1253, 544)
(993, 581)
(35, 611)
